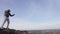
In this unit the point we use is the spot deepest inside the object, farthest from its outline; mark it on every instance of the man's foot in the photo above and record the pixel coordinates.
(2, 27)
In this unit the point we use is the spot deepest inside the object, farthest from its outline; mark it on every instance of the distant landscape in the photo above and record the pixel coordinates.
(51, 31)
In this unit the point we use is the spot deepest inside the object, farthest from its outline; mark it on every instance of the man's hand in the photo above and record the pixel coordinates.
(13, 14)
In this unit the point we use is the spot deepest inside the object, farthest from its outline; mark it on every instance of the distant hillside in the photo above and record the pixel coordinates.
(50, 31)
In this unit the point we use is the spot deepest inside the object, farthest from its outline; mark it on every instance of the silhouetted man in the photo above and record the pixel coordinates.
(7, 14)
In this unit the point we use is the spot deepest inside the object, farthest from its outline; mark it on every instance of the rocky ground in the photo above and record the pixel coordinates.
(12, 31)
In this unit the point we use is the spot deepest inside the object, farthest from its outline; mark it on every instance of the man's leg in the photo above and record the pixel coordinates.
(8, 22)
(3, 23)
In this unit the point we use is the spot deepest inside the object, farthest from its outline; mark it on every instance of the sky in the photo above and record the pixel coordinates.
(32, 14)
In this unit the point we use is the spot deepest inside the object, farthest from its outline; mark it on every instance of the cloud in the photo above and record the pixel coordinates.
(50, 8)
(21, 24)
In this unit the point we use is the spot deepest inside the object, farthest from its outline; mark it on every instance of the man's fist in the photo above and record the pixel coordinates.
(13, 14)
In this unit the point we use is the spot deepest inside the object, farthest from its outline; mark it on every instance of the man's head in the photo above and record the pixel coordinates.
(8, 10)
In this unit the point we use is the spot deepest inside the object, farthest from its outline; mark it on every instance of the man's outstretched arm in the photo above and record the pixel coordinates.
(11, 15)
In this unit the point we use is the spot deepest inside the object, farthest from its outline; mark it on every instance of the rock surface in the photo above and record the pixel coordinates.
(12, 31)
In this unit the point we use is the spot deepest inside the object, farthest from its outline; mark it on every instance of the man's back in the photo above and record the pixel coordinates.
(6, 14)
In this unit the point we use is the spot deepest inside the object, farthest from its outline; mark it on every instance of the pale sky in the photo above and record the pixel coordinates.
(32, 14)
